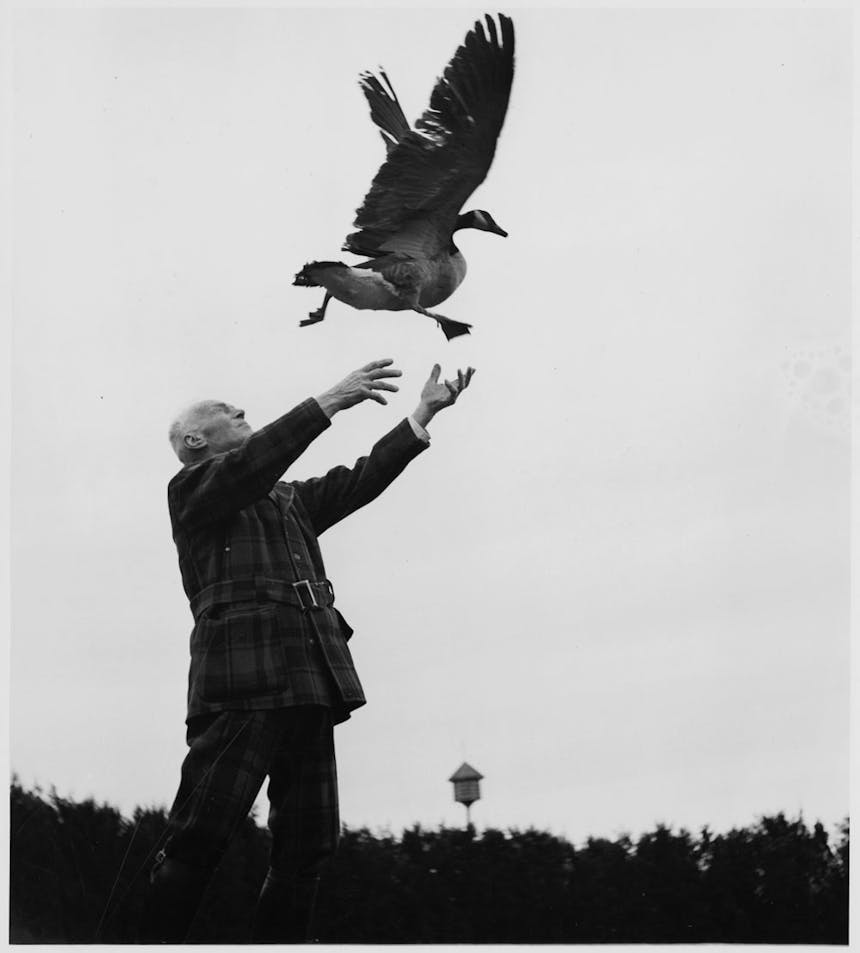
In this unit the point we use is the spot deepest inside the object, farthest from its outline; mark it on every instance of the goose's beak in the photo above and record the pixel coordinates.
(499, 231)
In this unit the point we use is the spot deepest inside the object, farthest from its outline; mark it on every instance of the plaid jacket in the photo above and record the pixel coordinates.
(266, 634)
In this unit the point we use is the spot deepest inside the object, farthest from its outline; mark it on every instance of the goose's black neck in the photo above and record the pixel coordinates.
(467, 220)
(463, 221)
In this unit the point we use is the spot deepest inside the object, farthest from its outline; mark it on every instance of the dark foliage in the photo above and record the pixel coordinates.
(79, 874)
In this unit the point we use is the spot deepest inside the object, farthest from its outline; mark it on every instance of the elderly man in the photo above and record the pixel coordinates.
(271, 673)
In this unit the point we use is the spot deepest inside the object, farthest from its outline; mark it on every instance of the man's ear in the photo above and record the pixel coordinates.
(194, 441)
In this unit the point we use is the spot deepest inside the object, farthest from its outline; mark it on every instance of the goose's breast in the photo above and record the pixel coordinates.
(448, 273)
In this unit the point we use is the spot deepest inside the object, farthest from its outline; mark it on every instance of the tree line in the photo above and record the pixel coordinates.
(78, 874)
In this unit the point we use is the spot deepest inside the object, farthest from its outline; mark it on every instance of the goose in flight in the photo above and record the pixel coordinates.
(405, 226)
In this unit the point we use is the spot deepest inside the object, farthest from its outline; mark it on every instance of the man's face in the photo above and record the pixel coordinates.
(224, 427)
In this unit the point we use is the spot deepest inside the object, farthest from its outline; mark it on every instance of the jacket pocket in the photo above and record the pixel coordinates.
(345, 627)
(238, 655)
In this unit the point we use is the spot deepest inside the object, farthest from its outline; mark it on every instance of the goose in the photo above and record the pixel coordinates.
(406, 224)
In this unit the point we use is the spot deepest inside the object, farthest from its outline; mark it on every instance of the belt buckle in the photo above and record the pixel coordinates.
(304, 586)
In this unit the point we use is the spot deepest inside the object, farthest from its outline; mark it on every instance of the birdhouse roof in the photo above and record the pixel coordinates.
(466, 773)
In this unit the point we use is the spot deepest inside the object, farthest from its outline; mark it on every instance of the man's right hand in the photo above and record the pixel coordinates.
(363, 384)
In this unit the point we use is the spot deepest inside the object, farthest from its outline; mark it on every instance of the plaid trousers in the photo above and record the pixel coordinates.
(230, 754)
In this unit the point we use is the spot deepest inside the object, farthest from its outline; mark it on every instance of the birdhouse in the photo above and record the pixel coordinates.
(467, 789)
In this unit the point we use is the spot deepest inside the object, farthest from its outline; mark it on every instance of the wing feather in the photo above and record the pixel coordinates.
(385, 108)
(432, 169)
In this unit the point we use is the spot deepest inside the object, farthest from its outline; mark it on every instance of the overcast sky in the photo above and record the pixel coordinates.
(618, 583)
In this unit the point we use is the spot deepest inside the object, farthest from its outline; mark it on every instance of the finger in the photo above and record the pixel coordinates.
(460, 381)
(452, 389)
(469, 372)
(434, 374)
(381, 363)
(389, 372)
(384, 385)
(367, 391)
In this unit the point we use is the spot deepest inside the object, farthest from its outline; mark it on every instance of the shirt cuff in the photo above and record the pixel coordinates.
(418, 430)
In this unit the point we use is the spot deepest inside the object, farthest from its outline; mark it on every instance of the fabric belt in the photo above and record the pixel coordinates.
(305, 594)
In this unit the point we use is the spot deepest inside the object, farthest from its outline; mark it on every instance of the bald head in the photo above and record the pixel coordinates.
(206, 428)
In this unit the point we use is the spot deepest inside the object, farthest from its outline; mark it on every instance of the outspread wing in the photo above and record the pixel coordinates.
(432, 169)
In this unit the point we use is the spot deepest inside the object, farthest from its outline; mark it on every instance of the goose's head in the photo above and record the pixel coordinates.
(482, 220)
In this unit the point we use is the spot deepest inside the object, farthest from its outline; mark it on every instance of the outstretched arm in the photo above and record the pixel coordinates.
(227, 482)
(219, 486)
(343, 490)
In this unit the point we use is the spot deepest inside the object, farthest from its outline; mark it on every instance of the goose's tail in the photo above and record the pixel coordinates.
(385, 108)
(311, 275)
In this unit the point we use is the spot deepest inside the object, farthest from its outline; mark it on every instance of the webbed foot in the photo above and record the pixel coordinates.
(313, 318)
(316, 316)
(451, 329)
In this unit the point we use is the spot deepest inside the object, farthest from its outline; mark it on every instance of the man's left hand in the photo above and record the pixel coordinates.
(436, 396)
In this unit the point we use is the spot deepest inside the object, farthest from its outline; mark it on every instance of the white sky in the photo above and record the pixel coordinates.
(618, 583)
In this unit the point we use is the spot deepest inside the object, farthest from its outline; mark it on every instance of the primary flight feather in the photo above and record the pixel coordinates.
(406, 224)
